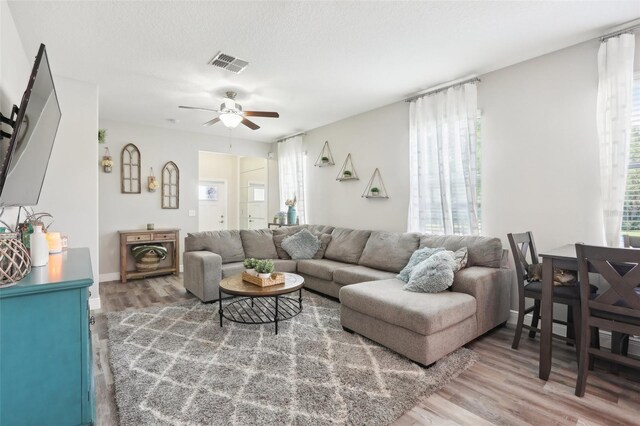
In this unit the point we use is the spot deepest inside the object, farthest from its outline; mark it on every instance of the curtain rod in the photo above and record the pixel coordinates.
(631, 29)
(443, 88)
(289, 137)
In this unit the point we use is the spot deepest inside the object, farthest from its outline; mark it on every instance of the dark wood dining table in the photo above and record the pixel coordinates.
(563, 257)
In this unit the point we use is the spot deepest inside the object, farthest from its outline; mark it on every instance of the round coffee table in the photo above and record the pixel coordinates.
(261, 305)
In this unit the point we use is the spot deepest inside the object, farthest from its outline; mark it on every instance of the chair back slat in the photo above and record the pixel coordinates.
(620, 267)
(521, 245)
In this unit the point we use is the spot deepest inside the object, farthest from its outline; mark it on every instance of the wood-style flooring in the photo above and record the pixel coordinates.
(501, 389)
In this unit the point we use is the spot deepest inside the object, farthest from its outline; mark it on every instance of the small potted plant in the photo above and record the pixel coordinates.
(250, 265)
(375, 191)
(324, 160)
(347, 173)
(264, 268)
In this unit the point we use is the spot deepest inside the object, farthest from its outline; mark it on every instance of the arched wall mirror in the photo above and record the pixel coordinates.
(170, 186)
(130, 170)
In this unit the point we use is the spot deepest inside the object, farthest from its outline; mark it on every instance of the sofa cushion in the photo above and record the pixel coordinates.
(290, 230)
(323, 229)
(301, 245)
(346, 245)
(258, 243)
(434, 274)
(320, 268)
(483, 251)
(227, 244)
(325, 239)
(359, 274)
(389, 251)
(283, 265)
(233, 268)
(423, 313)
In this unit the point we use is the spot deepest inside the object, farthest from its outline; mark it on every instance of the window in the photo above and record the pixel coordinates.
(631, 211)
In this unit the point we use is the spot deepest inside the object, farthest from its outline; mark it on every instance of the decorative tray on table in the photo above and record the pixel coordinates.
(275, 279)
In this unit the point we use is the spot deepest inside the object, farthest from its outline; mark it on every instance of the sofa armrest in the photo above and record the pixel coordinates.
(491, 288)
(202, 274)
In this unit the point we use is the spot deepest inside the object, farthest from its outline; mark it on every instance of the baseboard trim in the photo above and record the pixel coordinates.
(115, 276)
(94, 303)
(605, 336)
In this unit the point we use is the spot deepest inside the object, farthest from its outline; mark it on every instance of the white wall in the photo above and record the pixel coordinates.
(133, 211)
(539, 155)
(378, 138)
(73, 202)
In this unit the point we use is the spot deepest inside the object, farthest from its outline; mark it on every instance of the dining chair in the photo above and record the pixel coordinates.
(521, 245)
(616, 310)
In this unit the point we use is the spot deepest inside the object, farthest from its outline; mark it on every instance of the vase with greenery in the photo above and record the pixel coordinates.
(375, 191)
(250, 266)
(264, 268)
(292, 213)
(148, 256)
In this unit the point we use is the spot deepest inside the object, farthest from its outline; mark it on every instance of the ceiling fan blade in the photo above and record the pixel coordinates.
(250, 124)
(269, 114)
(198, 108)
(212, 122)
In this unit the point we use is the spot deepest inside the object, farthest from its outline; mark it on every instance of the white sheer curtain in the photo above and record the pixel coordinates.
(442, 162)
(615, 89)
(291, 173)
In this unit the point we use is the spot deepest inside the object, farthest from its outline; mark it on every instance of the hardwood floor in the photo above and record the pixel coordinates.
(501, 389)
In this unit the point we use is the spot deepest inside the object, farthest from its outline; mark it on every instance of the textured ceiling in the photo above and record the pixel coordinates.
(314, 62)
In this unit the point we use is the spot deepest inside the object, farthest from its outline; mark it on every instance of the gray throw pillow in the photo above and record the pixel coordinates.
(461, 256)
(301, 245)
(417, 257)
(434, 274)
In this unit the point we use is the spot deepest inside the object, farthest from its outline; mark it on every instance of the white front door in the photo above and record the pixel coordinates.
(253, 211)
(212, 197)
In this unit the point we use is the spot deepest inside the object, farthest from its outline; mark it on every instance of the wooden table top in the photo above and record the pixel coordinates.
(567, 251)
(145, 230)
(236, 286)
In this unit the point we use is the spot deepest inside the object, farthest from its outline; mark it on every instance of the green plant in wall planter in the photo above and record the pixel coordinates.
(325, 160)
(347, 174)
(148, 256)
(264, 268)
(375, 191)
(102, 135)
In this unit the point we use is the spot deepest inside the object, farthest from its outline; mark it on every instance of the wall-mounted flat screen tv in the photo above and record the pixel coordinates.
(24, 161)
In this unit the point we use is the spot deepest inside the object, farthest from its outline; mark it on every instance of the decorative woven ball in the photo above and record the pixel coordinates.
(15, 261)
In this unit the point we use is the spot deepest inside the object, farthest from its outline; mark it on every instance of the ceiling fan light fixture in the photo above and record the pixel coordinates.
(230, 119)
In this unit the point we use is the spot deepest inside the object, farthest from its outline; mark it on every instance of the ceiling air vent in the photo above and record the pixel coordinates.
(228, 62)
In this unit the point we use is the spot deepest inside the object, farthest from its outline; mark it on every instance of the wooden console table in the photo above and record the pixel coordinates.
(166, 237)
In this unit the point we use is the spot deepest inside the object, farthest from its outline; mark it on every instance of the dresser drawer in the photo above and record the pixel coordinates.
(169, 236)
(139, 237)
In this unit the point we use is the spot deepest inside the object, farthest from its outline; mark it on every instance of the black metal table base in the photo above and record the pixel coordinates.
(261, 310)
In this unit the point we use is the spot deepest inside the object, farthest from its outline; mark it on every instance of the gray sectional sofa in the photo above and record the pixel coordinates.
(360, 267)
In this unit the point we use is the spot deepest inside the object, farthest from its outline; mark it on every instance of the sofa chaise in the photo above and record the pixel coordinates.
(359, 268)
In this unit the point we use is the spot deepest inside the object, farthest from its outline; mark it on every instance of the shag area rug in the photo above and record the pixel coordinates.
(174, 365)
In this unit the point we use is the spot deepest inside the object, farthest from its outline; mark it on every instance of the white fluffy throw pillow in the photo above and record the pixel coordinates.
(434, 274)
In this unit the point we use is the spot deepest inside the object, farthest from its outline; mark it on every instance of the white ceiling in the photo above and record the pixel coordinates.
(314, 62)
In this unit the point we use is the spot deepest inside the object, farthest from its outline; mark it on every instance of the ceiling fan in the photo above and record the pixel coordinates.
(231, 113)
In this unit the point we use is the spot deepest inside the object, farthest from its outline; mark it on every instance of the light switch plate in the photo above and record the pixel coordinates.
(192, 213)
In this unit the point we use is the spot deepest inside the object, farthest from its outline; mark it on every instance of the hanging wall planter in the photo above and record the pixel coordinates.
(325, 159)
(152, 182)
(347, 171)
(107, 161)
(375, 188)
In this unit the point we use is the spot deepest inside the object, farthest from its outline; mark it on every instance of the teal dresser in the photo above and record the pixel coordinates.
(46, 374)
